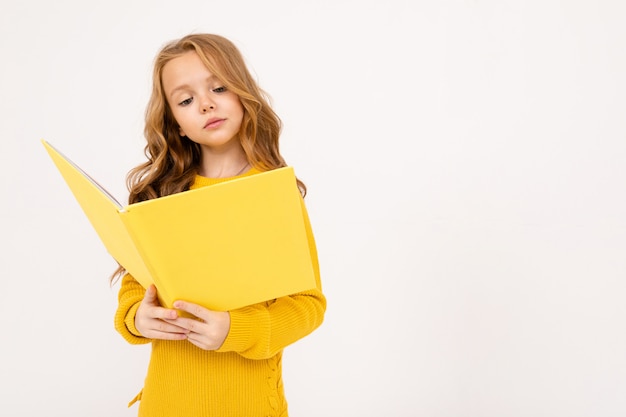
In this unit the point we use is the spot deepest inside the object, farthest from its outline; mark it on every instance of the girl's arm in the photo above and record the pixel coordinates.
(262, 330)
(129, 299)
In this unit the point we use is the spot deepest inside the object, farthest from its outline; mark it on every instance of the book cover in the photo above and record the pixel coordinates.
(223, 246)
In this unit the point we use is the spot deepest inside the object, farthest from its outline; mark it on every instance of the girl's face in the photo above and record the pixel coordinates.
(206, 112)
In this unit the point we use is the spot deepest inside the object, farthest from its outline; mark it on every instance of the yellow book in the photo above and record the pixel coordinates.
(224, 246)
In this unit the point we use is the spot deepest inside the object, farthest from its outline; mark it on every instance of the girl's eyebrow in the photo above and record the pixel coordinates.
(183, 87)
(179, 88)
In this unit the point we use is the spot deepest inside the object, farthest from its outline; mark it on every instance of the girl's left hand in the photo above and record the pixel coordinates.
(208, 331)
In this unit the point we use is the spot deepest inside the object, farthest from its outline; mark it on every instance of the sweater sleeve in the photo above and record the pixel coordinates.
(129, 297)
(261, 330)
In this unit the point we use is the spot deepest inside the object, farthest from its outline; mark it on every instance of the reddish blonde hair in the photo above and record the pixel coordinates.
(173, 160)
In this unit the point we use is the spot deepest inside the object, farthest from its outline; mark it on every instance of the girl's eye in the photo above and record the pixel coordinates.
(186, 102)
(219, 89)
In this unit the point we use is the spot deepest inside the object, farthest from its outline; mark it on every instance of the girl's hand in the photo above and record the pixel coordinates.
(207, 330)
(153, 321)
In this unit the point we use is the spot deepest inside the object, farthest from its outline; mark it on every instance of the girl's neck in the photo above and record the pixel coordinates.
(223, 165)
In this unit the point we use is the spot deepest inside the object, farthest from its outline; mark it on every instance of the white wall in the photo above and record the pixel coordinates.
(466, 167)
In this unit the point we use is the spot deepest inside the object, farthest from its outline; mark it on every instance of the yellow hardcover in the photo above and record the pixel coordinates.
(225, 246)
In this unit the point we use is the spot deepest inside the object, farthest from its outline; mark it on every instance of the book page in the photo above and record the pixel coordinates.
(79, 169)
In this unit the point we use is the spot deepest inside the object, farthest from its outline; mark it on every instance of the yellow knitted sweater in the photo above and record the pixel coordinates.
(242, 377)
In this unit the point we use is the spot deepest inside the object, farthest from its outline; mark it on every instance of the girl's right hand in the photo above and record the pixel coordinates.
(150, 319)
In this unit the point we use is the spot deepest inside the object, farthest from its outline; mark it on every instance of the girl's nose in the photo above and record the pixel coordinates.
(207, 105)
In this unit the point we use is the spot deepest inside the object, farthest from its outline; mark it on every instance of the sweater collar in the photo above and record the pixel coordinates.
(201, 181)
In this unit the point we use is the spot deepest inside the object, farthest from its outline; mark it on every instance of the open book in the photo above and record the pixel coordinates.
(223, 246)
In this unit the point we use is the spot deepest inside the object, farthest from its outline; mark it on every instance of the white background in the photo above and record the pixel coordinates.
(466, 170)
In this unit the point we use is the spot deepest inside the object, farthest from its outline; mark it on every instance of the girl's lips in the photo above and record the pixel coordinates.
(213, 123)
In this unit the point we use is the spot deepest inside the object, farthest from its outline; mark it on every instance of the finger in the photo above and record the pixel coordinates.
(154, 334)
(198, 341)
(152, 312)
(167, 326)
(150, 297)
(164, 313)
(203, 342)
(159, 329)
(155, 310)
(193, 309)
(190, 325)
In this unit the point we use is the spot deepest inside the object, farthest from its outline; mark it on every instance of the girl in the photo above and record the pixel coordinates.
(207, 121)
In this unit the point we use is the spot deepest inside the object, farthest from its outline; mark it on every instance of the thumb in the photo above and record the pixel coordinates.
(151, 295)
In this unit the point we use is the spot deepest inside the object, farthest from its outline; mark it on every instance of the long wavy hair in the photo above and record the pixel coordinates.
(173, 160)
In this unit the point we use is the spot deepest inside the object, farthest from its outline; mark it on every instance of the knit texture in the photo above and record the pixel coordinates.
(244, 376)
